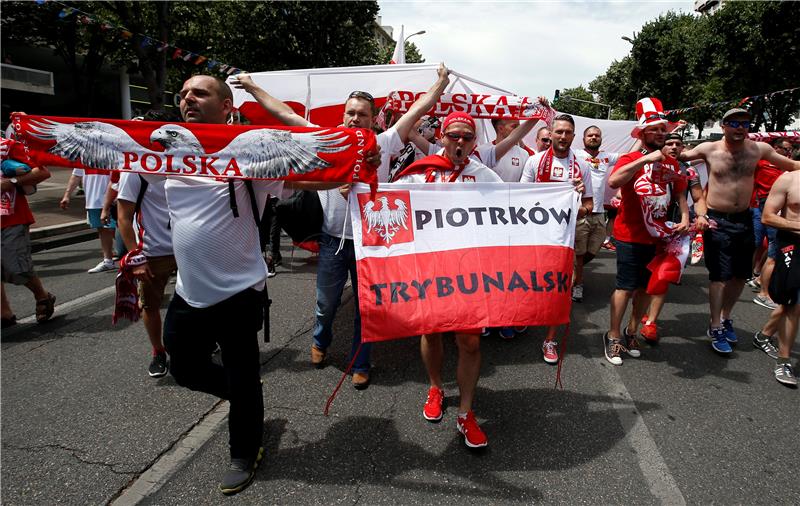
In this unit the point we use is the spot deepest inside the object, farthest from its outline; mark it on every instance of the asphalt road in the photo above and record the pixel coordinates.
(82, 423)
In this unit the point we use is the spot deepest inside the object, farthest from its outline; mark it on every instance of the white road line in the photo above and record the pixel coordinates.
(75, 303)
(162, 470)
(655, 471)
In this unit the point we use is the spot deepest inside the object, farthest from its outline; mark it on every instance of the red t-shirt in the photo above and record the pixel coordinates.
(765, 176)
(22, 213)
(629, 225)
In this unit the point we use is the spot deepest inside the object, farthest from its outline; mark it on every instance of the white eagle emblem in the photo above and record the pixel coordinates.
(386, 221)
(261, 153)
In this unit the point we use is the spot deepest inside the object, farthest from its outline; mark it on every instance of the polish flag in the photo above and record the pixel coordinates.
(399, 55)
(448, 257)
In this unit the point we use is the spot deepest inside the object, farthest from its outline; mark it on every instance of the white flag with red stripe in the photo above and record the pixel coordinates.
(448, 257)
(399, 55)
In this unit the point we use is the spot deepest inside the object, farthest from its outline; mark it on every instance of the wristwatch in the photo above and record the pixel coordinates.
(703, 216)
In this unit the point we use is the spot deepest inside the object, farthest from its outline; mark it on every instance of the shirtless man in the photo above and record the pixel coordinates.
(782, 211)
(729, 240)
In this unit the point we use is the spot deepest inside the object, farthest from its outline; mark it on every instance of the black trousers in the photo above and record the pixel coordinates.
(191, 335)
(274, 229)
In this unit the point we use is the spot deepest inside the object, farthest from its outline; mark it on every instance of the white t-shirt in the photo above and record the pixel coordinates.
(600, 167)
(95, 183)
(334, 206)
(474, 172)
(218, 255)
(566, 173)
(155, 213)
(509, 167)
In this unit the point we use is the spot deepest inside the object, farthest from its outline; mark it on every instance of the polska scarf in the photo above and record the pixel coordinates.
(546, 173)
(432, 166)
(477, 105)
(654, 191)
(207, 150)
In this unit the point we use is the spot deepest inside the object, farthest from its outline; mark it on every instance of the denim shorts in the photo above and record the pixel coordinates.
(632, 260)
(729, 247)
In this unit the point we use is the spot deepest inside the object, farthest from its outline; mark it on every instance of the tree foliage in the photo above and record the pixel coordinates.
(412, 54)
(252, 36)
(742, 50)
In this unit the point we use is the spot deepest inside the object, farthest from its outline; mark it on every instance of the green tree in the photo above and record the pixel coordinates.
(706, 63)
(574, 101)
(252, 36)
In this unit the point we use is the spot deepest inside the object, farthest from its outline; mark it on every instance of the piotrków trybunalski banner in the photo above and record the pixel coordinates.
(446, 257)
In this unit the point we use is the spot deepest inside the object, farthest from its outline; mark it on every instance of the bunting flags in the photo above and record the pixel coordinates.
(729, 103)
(142, 40)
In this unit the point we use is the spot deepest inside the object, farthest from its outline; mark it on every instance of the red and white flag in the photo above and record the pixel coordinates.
(399, 55)
(445, 257)
(192, 149)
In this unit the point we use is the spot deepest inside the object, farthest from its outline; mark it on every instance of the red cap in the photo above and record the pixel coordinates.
(458, 117)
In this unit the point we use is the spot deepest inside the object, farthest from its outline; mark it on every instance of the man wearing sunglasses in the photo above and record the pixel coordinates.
(543, 139)
(729, 242)
(453, 164)
(336, 263)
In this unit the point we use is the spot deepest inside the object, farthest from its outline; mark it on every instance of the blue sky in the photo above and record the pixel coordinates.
(529, 48)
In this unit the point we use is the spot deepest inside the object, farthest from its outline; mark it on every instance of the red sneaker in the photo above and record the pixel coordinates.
(644, 320)
(433, 405)
(550, 351)
(649, 332)
(473, 435)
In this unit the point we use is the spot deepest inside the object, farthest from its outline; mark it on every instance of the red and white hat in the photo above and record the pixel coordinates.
(650, 112)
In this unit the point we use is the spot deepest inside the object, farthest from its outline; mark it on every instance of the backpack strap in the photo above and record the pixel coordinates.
(259, 219)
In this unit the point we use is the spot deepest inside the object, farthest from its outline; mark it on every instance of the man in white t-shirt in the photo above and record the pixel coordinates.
(560, 163)
(506, 158)
(148, 200)
(337, 255)
(95, 182)
(220, 292)
(453, 164)
(590, 233)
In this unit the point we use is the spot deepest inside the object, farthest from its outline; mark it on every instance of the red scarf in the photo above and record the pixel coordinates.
(430, 165)
(545, 170)
(209, 150)
(477, 105)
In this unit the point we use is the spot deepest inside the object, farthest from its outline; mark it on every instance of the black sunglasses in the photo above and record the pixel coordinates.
(545, 140)
(363, 95)
(737, 124)
(454, 136)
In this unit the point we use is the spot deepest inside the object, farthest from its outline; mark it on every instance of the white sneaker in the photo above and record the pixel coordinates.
(103, 267)
(577, 293)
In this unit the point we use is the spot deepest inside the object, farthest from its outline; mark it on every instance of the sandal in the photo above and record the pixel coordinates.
(9, 322)
(45, 308)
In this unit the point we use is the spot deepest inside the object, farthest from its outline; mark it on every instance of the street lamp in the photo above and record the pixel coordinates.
(567, 97)
(416, 33)
(625, 37)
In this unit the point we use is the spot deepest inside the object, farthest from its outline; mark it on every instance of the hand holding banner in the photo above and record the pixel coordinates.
(209, 150)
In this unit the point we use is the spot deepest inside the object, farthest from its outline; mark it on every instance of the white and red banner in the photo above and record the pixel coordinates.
(477, 105)
(448, 257)
(792, 136)
(226, 151)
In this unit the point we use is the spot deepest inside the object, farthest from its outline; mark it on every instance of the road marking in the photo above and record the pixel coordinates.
(655, 471)
(168, 463)
(75, 303)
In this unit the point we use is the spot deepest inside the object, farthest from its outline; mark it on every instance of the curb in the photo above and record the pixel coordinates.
(55, 236)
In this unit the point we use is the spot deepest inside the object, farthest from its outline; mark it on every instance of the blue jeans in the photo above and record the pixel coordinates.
(331, 278)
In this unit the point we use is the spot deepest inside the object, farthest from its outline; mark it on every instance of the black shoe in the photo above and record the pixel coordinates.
(159, 365)
(240, 474)
(271, 268)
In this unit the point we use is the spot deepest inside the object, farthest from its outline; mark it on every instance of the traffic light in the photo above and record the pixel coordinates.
(558, 92)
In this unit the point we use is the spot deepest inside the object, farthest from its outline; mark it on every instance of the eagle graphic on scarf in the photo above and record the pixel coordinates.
(654, 189)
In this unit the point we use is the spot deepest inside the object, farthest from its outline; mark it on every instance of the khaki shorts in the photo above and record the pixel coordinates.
(590, 233)
(152, 291)
(15, 254)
